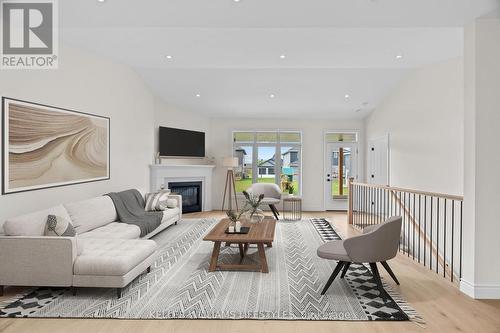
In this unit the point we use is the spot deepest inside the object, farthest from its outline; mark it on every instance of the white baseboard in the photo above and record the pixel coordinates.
(480, 291)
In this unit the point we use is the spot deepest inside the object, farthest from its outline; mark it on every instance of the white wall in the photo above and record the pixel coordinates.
(481, 262)
(169, 116)
(95, 85)
(313, 178)
(424, 117)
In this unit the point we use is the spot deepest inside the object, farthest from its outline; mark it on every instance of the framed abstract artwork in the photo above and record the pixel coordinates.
(45, 146)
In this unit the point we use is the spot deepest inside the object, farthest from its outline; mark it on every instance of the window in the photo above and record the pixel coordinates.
(256, 152)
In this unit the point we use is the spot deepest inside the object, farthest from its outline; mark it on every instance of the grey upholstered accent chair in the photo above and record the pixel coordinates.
(272, 195)
(378, 243)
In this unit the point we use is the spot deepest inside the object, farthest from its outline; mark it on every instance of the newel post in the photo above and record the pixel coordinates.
(350, 200)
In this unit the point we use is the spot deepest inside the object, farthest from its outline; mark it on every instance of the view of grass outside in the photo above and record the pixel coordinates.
(335, 187)
(243, 184)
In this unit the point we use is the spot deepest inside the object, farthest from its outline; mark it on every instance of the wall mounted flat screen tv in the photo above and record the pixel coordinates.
(176, 142)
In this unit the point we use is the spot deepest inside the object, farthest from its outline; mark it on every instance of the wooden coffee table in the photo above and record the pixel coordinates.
(261, 234)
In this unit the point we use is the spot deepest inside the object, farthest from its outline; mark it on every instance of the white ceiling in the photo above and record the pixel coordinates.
(229, 52)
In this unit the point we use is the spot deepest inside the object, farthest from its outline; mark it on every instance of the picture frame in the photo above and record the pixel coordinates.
(45, 146)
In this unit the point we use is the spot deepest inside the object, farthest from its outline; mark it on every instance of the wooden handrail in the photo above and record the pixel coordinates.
(407, 190)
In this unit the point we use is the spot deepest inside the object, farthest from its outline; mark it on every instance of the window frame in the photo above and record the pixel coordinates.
(278, 145)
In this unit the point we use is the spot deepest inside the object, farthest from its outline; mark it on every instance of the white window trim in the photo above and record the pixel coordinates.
(276, 144)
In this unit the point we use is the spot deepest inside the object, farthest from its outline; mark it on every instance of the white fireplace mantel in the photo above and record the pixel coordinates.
(162, 174)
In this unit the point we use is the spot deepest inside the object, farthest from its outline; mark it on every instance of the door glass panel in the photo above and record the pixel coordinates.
(243, 173)
(290, 169)
(266, 164)
(341, 171)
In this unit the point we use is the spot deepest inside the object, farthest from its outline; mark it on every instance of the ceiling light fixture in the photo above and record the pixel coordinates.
(272, 96)
(198, 95)
(101, 1)
(236, 0)
(168, 57)
(283, 56)
(399, 56)
(347, 96)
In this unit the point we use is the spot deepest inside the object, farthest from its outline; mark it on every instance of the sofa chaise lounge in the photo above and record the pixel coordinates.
(105, 253)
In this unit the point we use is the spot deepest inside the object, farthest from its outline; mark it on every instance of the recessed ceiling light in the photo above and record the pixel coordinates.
(272, 96)
(399, 56)
(346, 96)
(101, 1)
(198, 95)
(168, 56)
(236, 0)
(283, 56)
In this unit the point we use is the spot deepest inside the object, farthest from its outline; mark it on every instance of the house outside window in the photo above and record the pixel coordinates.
(256, 152)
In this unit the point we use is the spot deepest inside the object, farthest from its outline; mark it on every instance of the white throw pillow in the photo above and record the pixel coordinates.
(169, 204)
(172, 203)
(156, 201)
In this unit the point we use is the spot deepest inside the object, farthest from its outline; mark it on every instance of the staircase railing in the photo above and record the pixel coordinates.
(432, 222)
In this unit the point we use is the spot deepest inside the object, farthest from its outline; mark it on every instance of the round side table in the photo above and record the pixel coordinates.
(292, 208)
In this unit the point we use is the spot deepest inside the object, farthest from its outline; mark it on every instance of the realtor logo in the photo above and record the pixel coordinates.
(29, 34)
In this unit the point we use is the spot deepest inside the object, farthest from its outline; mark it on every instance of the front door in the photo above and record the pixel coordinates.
(341, 164)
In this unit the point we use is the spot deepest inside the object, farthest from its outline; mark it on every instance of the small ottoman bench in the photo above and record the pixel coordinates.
(112, 263)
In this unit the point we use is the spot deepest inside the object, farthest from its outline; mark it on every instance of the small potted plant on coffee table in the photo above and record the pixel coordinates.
(255, 214)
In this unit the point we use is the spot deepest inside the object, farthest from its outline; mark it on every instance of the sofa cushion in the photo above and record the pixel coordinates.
(33, 224)
(170, 213)
(92, 213)
(59, 226)
(112, 257)
(114, 230)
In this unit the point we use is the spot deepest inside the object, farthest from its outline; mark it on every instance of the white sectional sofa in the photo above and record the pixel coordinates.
(105, 253)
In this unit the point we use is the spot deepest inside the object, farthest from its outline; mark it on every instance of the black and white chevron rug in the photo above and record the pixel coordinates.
(179, 285)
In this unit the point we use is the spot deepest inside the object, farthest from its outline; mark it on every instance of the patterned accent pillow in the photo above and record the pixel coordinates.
(156, 201)
(58, 226)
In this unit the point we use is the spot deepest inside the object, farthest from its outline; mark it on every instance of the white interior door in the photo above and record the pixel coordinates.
(378, 161)
(341, 163)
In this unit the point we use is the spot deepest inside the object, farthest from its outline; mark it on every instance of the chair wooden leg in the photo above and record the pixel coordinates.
(119, 292)
(336, 272)
(389, 270)
(378, 281)
(344, 271)
(275, 211)
(148, 270)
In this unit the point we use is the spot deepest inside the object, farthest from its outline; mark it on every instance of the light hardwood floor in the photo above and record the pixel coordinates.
(440, 303)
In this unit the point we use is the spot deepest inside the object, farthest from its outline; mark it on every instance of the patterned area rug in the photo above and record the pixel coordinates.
(179, 285)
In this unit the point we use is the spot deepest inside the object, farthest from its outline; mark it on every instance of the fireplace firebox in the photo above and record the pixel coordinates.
(191, 195)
